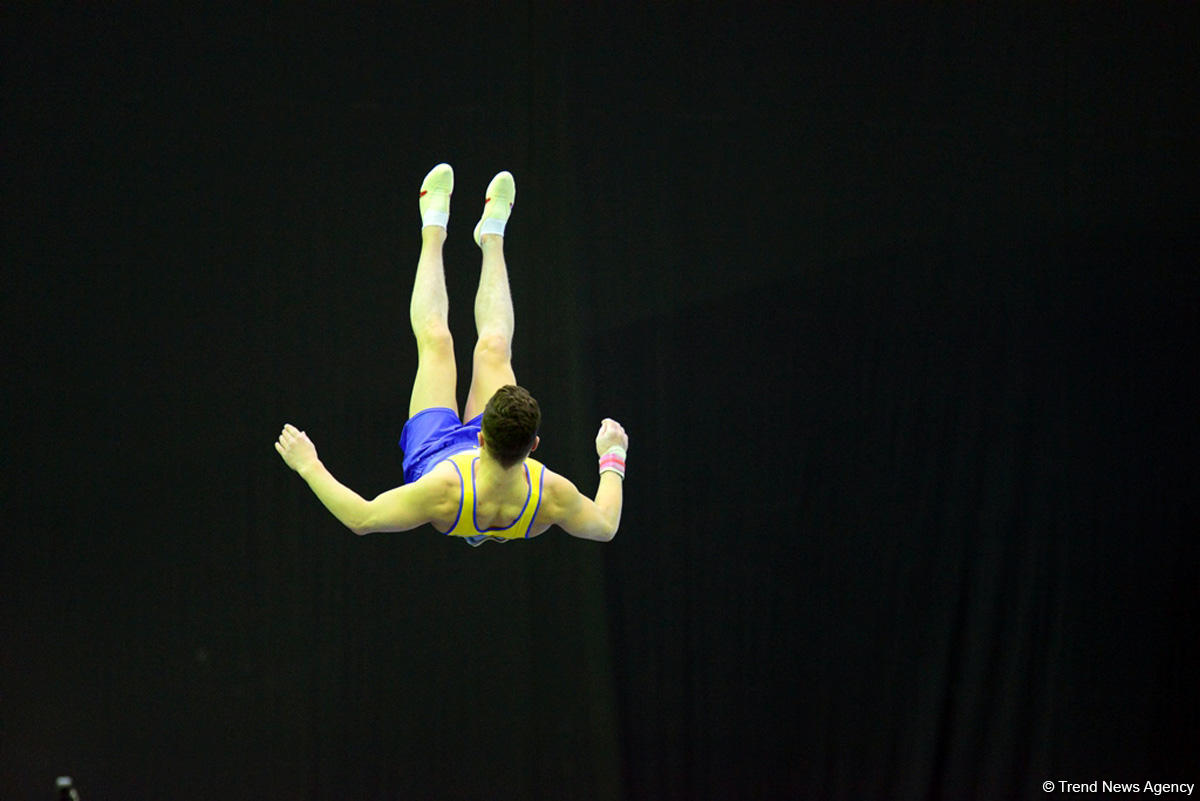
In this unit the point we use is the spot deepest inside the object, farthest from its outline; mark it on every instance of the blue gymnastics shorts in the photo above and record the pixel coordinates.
(432, 435)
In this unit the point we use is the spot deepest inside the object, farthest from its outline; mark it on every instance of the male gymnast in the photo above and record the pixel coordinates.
(473, 479)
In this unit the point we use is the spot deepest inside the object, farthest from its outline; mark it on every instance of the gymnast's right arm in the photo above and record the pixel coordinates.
(581, 516)
(399, 509)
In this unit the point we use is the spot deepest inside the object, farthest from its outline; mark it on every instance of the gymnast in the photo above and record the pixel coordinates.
(474, 479)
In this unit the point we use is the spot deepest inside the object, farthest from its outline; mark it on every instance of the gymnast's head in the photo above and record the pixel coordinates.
(510, 425)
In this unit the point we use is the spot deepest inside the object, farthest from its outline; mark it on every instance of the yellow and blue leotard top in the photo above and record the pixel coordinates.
(465, 525)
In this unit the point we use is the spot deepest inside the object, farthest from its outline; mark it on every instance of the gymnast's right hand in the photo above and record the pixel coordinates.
(296, 448)
(611, 433)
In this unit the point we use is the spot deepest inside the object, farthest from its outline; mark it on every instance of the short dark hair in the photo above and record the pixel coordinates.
(510, 424)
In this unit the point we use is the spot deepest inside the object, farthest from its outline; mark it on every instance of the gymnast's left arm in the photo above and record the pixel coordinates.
(300, 454)
(400, 509)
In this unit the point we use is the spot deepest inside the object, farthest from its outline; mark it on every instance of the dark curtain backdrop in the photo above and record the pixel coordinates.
(898, 304)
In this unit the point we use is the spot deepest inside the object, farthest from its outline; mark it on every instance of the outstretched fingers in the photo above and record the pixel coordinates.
(295, 447)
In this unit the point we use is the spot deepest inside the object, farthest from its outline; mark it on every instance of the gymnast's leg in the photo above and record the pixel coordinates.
(494, 319)
(428, 311)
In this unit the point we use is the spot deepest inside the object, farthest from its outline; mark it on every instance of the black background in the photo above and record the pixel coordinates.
(898, 305)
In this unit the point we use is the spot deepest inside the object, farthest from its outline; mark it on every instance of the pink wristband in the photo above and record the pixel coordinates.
(612, 463)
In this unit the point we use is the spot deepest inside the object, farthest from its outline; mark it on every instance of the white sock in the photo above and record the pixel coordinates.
(492, 225)
(435, 217)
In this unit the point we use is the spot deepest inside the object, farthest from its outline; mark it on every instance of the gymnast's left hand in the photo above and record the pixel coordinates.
(296, 449)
